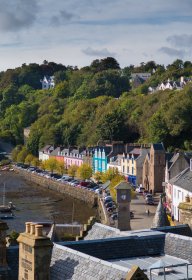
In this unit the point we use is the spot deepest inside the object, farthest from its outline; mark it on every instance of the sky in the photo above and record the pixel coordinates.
(76, 32)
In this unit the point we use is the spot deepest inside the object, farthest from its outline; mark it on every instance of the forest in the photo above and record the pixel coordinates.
(95, 103)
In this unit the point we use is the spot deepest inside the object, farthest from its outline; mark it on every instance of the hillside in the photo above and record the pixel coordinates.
(94, 103)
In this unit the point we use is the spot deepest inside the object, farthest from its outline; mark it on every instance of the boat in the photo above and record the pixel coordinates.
(6, 216)
(6, 208)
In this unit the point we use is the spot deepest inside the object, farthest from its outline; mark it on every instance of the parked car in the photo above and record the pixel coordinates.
(114, 216)
(107, 199)
(111, 209)
(148, 196)
(140, 190)
(150, 201)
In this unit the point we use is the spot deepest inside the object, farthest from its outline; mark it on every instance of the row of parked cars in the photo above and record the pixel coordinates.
(112, 209)
(65, 179)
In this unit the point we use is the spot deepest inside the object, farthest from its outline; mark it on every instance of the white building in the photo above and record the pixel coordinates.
(181, 186)
(48, 82)
(44, 153)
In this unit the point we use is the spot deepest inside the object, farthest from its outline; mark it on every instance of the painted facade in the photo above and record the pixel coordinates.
(132, 165)
(45, 152)
(103, 154)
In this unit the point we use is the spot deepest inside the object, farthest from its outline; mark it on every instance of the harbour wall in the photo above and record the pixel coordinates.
(81, 194)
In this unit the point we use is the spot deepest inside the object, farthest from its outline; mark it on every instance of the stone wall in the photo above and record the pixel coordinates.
(185, 213)
(102, 212)
(84, 195)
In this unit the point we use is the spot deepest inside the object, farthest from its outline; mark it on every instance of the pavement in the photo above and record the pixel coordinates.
(142, 219)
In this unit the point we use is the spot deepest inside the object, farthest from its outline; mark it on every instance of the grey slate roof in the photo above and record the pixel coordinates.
(160, 218)
(71, 264)
(100, 231)
(183, 180)
(158, 147)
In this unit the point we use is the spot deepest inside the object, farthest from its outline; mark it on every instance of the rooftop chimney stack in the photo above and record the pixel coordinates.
(34, 253)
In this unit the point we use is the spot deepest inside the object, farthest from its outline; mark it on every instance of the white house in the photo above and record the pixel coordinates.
(44, 153)
(48, 82)
(181, 187)
(115, 163)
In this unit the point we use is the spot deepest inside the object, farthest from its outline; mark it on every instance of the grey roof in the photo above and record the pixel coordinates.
(46, 148)
(67, 263)
(183, 180)
(56, 151)
(100, 231)
(158, 147)
(123, 186)
(160, 218)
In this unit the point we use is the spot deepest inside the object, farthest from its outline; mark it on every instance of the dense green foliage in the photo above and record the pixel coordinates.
(95, 103)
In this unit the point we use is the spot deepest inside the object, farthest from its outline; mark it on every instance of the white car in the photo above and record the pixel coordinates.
(140, 190)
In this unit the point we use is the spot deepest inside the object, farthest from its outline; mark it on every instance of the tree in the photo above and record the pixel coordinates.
(117, 178)
(22, 155)
(29, 158)
(15, 152)
(97, 176)
(35, 162)
(72, 170)
(104, 64)
(51, 164)
(84, 171)
(61, 168)
(109, 174)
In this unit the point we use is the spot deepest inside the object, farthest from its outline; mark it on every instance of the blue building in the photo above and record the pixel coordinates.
(103, 154)
(100, 159)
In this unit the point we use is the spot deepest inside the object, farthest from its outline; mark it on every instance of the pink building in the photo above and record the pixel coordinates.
(77, 157)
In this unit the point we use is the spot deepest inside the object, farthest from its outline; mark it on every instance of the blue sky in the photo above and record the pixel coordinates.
(75, 32)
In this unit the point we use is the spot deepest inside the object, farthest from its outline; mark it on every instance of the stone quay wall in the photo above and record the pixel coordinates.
(83, 195)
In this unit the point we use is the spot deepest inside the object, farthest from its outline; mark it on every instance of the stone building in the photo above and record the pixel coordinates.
(154, 168)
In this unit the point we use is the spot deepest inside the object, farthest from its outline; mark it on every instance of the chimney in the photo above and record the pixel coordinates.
(3, 259)
(34, 253)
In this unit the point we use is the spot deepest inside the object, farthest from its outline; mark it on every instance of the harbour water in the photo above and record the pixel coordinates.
(34, 204)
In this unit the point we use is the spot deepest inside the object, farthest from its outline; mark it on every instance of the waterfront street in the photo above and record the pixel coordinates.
(141, 218)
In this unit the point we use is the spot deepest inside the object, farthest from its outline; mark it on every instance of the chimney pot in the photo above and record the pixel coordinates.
(27, 227)
(32, 228)
(38, 230)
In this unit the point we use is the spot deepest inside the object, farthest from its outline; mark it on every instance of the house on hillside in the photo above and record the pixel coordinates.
(138, 79)
(48, 82)
(171, 85)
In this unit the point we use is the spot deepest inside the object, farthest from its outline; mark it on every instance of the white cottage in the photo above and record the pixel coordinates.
(181, 187)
